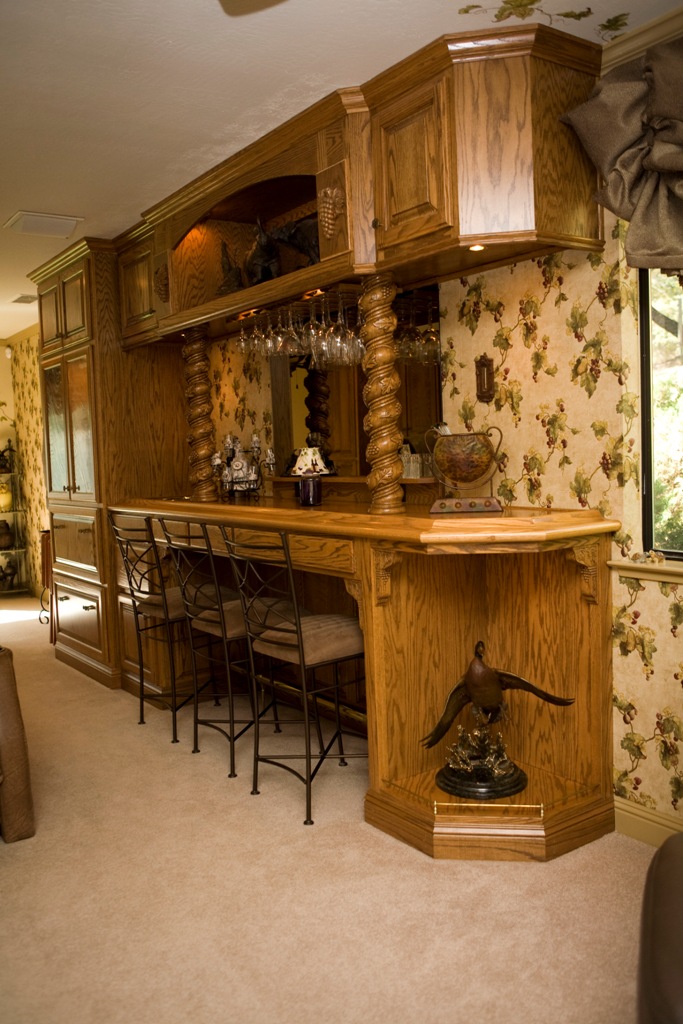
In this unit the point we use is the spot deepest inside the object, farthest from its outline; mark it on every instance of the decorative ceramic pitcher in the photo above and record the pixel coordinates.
(462, 460)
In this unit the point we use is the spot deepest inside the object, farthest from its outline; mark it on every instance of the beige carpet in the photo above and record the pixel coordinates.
(158, 891)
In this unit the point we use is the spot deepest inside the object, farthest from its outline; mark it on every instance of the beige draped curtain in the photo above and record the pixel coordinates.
(632, 129)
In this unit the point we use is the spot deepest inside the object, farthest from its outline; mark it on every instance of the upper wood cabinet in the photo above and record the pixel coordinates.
(468, 149)
(64, 307)
(209, 237)
(459, 145)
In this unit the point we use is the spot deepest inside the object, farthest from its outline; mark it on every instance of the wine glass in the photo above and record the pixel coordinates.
(290, 342)
(431, 341)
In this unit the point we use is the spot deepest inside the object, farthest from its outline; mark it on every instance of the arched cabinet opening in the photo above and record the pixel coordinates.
(259, 234)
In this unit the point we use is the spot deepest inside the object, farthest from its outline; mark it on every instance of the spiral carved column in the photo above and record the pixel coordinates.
(379, 395)
(202, 437)
(317, 402)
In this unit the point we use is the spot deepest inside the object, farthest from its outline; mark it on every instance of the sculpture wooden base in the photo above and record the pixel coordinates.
(464, 505)
(550, 817)
(481, 783)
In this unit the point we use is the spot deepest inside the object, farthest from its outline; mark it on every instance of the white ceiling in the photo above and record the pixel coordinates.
(108, 106)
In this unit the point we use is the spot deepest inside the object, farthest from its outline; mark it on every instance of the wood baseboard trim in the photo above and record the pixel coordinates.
(648, 826)
(101, 673)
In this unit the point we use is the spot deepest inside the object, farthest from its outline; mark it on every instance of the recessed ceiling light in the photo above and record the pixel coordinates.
(52, 225)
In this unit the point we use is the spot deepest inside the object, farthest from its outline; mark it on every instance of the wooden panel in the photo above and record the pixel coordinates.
(493, 133)
(412, 165)
(424, 640)
(333, 211)
(137, 292)
(50, 320)
(317, 554)
(79, 616)
(75, 539)
(76, 305)
(563, 173)
(344, 439)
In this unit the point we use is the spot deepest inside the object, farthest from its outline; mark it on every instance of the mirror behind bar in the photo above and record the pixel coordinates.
(297, 398)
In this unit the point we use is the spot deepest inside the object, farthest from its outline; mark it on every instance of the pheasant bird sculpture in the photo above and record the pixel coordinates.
(483, 687)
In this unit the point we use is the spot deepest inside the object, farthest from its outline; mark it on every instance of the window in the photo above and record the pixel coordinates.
(661, 327)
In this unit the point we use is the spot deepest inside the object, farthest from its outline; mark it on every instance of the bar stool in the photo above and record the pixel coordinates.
(216, 629)
(157, 607)
(286, 634)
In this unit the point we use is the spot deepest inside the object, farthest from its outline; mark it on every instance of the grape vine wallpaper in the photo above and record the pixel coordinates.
(563, 333)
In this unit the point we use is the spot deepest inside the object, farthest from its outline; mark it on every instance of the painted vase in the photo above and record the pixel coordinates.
(6, 535)
(464, 458)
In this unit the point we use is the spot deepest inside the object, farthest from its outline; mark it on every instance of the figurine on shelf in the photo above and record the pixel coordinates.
(232, 276)
(263, 259)
(238, 469)
(301, 235)
(477, 765)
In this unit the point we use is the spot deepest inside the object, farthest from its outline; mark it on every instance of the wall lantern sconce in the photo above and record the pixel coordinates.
(484, 376)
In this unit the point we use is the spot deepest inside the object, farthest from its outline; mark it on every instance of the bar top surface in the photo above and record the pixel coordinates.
(515, 528)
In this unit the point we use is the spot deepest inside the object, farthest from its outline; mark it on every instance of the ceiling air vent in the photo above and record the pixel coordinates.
(25, 300)
(50, 225)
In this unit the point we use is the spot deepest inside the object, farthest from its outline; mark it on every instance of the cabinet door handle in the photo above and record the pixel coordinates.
(58, 526)
(66, 487)
(85, 529)
(89, 607)
(376, 223)
(65, 598)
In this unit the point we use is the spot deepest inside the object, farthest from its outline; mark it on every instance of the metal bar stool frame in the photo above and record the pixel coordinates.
(278, 628)
(157, 607)
(213, 613)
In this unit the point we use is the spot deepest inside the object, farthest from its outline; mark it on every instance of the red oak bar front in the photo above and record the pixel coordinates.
(534, 586)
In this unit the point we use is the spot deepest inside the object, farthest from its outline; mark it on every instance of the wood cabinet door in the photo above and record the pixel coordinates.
(413, 165)
(74, 541)
(79, 616)
(69, 448)
(78, 397)
(50, 319)
(56, 444)
(136, 280)
(75, 305)
(64, 309)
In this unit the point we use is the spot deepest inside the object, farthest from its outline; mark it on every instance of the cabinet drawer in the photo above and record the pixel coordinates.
(79, 613)
(315, 554)
(74, 540)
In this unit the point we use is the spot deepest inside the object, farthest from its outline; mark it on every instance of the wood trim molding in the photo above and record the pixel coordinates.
(631, 45)
(638, 822)
(661, 572)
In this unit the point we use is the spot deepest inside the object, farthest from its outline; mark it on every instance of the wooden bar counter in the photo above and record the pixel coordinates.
(535, 587)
